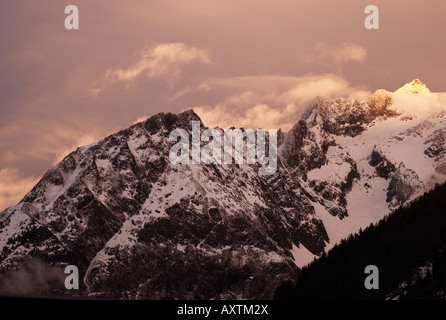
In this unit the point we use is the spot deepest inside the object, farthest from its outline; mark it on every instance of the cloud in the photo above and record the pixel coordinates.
(309, 87)
(34, 278)
(257, 116)
(52, 146)
(279, 107)
(141, 118)
(336, 55)
(203, 87)
(27, 154)
(83, 140)
(13, 187)
(51, 142)
(164, 61)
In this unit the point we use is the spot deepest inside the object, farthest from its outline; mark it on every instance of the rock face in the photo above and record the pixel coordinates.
(384, 168)
(139, 227)
(404, 183)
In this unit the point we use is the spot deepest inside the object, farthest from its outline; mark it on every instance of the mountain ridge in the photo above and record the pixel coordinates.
(138, 226)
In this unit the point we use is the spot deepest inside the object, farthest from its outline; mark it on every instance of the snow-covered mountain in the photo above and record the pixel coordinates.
(138, 226)
(415, 86)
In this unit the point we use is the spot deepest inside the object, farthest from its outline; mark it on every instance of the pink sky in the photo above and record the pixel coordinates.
(242, 63)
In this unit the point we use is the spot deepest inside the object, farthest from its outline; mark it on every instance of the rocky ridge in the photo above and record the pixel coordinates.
(139, 227)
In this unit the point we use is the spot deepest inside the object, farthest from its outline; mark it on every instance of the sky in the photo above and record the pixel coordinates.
(243, 63)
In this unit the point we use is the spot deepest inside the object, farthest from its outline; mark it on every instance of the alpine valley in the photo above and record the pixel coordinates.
(139, 227)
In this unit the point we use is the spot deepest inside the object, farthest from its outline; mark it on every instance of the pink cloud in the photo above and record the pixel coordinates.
(13, 187)
(163, 61)
(260, 106)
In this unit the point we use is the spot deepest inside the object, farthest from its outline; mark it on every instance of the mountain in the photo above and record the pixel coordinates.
(415, 86)
(408, 247)
(139, 227)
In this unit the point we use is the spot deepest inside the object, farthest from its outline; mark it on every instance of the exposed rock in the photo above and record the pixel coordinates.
(404, 184)
(437, 147)
(384, 168)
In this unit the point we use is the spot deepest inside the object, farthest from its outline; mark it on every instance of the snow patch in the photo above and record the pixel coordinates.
(301, 255)
(415, 86)
(18, 222)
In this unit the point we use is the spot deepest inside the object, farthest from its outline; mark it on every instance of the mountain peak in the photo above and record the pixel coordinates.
(415, 86)
(170, 121)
